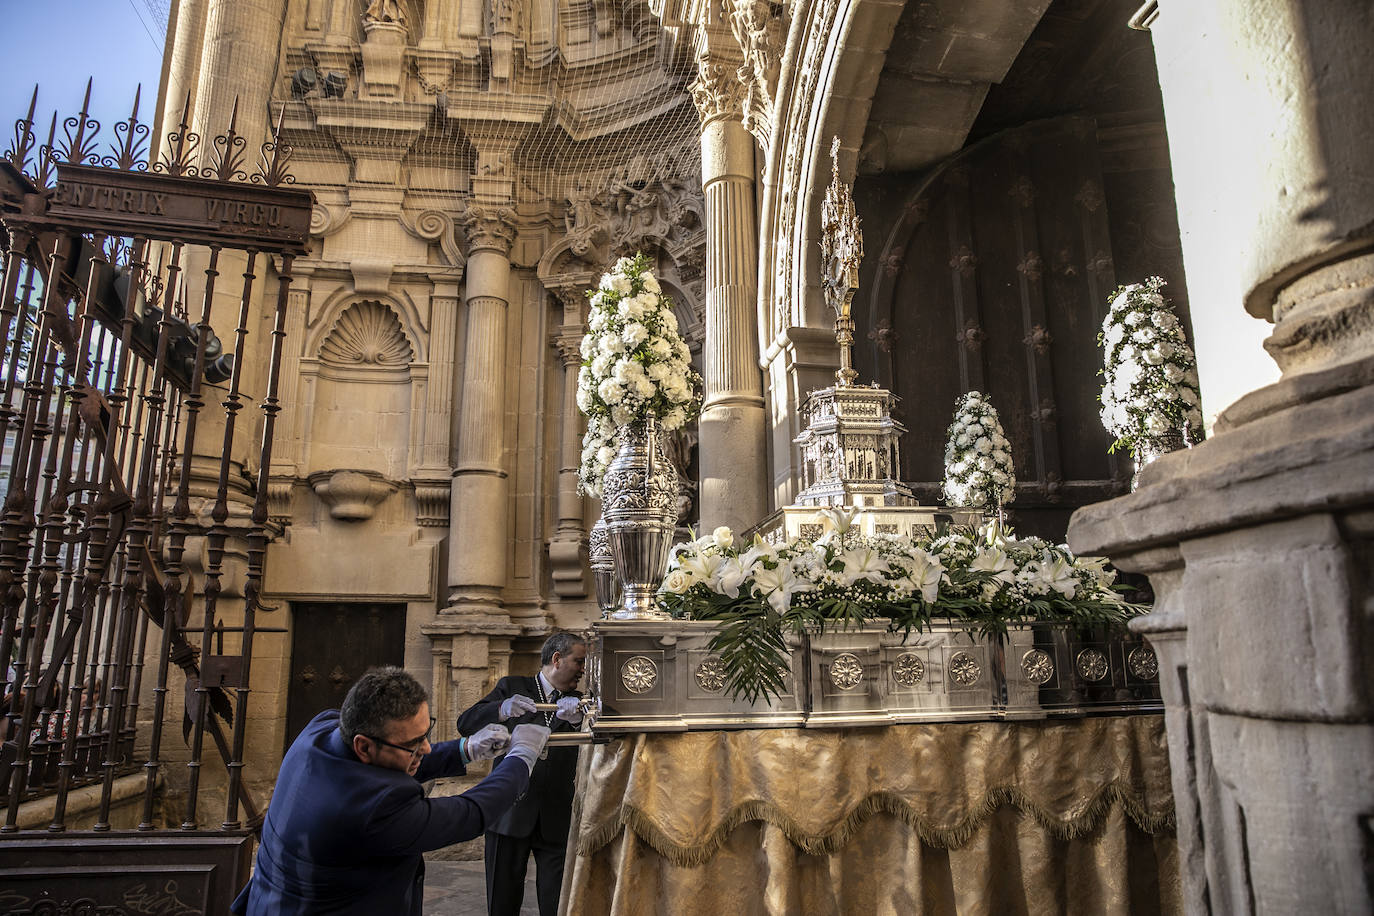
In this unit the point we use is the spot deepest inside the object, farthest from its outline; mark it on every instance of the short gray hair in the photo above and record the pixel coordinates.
(560, 642)
(381, 696)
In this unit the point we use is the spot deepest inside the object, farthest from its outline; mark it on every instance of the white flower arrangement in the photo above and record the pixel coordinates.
(989, 568)
(1150, 384)
(978, 466)
(598, 448)
(987, 579)
(635, 364)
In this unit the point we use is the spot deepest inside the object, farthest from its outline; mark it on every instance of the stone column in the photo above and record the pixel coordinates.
(567, 551)
(734, 488)
(1258, 541)
(479, 523)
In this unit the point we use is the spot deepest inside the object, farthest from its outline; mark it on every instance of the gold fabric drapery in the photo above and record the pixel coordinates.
(969, 818)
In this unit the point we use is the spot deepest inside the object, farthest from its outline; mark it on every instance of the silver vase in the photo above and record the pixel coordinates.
(1150, 449)
(603, 568)
(639, 500)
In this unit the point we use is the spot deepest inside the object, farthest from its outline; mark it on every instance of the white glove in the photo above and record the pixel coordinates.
(489, 741)
(516, 706)
(570, 709)
(526, 742)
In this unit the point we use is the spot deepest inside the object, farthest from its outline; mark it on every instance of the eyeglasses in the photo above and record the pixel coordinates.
(410, 747)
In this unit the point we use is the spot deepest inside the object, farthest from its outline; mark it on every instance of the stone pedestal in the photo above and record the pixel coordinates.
(383, 60)
(1259, 540)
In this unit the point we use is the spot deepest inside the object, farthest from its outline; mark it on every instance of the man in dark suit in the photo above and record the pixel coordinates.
(349, 819)
(538, 822)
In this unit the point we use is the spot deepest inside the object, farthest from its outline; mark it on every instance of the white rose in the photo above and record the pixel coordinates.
(723, 537)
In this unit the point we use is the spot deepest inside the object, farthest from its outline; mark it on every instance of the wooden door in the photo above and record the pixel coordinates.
(333, 644)
(996, 278)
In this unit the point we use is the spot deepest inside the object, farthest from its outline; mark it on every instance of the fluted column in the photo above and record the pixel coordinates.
(479, 518)
(566, 547)
(734, 488)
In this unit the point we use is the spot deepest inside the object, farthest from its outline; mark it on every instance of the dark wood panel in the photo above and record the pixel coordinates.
(994, 276)
(334, 643)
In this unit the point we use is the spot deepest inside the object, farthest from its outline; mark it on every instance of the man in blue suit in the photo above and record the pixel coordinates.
(349, 819)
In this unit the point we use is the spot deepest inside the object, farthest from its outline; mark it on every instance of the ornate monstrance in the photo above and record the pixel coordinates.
(849, 447)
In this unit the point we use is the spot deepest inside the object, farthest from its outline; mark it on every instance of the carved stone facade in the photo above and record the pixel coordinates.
(476, 166)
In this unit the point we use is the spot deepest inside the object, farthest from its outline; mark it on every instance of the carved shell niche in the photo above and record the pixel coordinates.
(367, 334)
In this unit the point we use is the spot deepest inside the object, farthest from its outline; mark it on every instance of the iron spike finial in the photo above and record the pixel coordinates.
(272, 170)
(130, 136)
(183, 144)
(227, 155)
(22, 144)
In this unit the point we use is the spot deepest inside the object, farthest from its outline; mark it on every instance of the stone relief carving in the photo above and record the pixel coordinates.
(384, 11)
(760, 27)
(620, 212)
(717, 92)
(367, 334)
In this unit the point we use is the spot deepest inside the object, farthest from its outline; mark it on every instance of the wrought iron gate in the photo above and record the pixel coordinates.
(126, 443)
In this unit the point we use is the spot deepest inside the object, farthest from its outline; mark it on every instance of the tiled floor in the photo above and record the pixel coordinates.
(459, 888)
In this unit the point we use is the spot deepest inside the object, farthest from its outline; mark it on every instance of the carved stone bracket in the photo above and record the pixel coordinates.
(431, 502)
(352, 496)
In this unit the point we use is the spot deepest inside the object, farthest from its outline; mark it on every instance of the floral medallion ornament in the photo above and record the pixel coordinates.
(846, 671)
(1150, 398)
(1037, 666)
(908, 670)
(639, 674)
(964, 670)
(1092, 665)
(710, 675)
(978, 468)
(636, 382)
(1143, 663)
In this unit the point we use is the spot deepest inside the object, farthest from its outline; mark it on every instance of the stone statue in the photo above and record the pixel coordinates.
(385, 11)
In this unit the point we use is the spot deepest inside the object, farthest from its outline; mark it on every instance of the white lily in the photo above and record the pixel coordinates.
(779, 585)
(838, 519)
(992, 560)
(1057, 574)
(927, 572)
(863, 563)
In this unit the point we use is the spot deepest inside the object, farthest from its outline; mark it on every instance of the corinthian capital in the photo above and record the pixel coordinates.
(717, 91)
(488, 227)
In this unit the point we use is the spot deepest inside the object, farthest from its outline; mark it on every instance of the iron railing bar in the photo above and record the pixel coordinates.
(257, 543)
(219, 532)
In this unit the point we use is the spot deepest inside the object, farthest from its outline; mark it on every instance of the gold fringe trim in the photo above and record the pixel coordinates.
(1088, 821)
